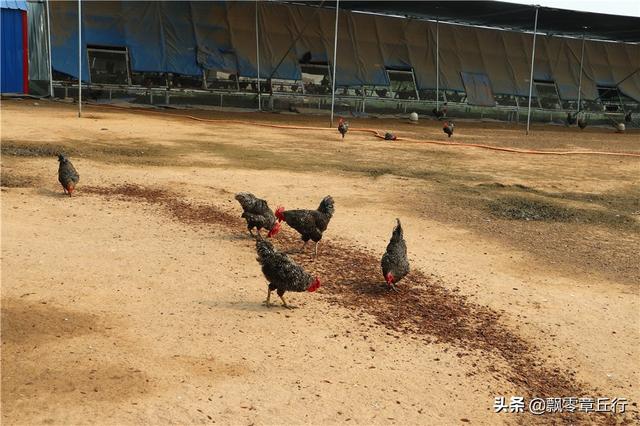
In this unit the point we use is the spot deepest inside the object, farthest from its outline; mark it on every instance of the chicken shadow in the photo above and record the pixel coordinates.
(54, 194)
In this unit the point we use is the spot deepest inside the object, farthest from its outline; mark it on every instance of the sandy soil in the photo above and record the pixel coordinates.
(138, 300)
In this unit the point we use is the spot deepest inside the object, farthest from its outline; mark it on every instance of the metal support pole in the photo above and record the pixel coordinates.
(79, 58)
(533, 58)
(49, 45)
(580, 78)
(437, 63)
(258, 61)
(335, 51)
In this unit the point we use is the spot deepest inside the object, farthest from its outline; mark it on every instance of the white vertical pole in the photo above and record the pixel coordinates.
(258, 60)
(79, 58)
(533, 58)
(335, 51)
(437, 63)
(49, 36)
(580, 78)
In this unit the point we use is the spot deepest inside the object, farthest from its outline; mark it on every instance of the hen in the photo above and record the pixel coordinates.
(343, 127)
(282, 273)
(257, 214)
(67, 175)
(448, 128)
(310, 224)
(395, 265)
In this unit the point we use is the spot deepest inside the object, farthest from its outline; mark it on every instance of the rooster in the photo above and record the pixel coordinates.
(439, 113)
(448, 128)
(282, 273)
(310, 224)
(257, 214)
(571, 119)
(395, 265)
(67, 175)
(343, 127)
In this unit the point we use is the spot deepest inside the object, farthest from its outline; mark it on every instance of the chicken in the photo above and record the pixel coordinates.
(448, 128)
(282, 273)
(67, 175)
(571, 119)
(582, 122)
(343, 127)
(309, 223)
(439, 113)
(390, 136)
(395, 265)
(628, 117)
(257, 214)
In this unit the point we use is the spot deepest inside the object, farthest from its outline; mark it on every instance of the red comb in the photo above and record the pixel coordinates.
(279, 213)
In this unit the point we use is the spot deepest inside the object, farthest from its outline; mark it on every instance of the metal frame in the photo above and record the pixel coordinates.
(413, 78)
(335, 52)
(533, 58)
(125, 52)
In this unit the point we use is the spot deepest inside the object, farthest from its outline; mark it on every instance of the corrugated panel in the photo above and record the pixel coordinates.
(12, 46)
(13, 4)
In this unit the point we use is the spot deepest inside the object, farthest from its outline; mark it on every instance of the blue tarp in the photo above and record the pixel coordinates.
(12, 72)
(185, 37)
(13, 4)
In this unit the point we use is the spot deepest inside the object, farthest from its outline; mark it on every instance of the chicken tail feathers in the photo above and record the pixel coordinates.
(398, 234)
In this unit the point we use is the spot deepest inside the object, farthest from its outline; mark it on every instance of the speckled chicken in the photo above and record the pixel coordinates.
(282, 273)
(395, 265)
(309, 223)
(257, 214)
(67, 175)
(448, 128)
(343, 127)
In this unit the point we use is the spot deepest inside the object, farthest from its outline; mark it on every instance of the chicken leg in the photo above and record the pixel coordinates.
(316, 249)
(284, 303)
(267, 302)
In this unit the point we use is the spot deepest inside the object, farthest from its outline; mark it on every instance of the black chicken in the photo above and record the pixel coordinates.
(343, 127)
(571, 118)
(390, 136)
(67, 175)
(628, 117)
(448, 128)
(395, 265)
(309, 223)
(282, 273)
(257, 214)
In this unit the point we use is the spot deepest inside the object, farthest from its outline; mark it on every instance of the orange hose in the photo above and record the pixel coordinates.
(377, 134)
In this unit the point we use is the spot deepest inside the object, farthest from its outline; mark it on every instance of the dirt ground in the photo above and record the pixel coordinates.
(138, 300)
